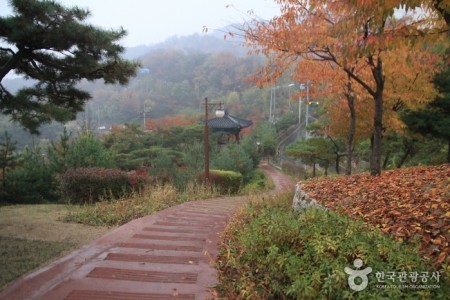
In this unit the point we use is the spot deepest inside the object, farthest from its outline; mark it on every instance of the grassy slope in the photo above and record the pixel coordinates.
(32, 235)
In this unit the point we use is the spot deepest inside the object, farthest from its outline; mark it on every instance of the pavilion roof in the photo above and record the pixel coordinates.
(228, 123)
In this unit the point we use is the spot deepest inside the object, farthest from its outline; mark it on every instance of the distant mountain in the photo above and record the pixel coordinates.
(208, 43)
(136, 52)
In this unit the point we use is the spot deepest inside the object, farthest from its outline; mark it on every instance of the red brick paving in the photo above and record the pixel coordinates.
(167, 255)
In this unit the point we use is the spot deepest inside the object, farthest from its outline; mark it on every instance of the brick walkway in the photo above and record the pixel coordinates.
(167, 255)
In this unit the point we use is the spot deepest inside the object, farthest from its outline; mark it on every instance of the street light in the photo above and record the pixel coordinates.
(304, 86)
(220, 113)
(289, 92)
(300, 101)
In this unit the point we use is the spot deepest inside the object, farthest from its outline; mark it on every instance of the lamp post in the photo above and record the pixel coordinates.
(307, 104)
(304, 86)
(289, 92)
(219, 113)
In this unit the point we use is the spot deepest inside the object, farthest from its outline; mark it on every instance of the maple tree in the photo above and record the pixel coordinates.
(354, 38)
(442, 7)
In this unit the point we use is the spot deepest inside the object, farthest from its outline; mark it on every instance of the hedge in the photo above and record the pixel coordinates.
(228, 182)
(88, 185)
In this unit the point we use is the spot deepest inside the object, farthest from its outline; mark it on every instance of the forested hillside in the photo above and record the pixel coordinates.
(174, 79)
(171, 82)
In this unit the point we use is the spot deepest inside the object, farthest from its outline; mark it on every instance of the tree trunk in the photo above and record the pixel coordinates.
(386, 159)
(352, 127)
(3, 177)
(375, 160)
(314, 169)
(405, 155)
(338, 160)
(448, 151)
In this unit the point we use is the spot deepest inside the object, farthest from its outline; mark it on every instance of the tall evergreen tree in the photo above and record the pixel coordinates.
(7, 156)
(435, 118)
(52, 45)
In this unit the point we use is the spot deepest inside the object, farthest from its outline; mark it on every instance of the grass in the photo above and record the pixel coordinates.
(19, 256)
(33, 235)
(258, 184)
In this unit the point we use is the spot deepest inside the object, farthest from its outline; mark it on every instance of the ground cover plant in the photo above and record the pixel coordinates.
(271, 252)
(411, 204)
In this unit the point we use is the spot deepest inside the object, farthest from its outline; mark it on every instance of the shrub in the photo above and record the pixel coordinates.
(234, 158)
(91, 184)
(228, 182)
(31, 182)
(269, 252)
(249, 144)
(259, 183)
(86, 151)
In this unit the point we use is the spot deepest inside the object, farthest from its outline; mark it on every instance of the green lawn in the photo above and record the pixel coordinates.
(33, 235)
(19, 256)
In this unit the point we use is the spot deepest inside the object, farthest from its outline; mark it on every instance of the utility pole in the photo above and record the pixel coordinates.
(143, 121)
(307, 103)
(270, 105)
(299, 109)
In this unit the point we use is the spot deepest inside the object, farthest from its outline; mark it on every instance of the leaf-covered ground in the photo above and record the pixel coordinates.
(409, 204)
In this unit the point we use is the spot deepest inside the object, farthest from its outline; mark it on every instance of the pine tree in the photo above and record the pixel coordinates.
(434, 119)
(52, 45)
(8, 158)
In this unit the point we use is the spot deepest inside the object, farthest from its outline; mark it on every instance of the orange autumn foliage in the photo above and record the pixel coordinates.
(365, 42)
(169, 121)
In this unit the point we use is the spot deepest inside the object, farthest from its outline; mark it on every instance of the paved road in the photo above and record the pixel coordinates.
(167, 255)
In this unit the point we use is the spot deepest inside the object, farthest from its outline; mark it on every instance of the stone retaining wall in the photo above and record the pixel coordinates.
(302, 200)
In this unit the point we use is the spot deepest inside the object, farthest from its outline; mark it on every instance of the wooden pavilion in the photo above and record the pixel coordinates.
(229, 125)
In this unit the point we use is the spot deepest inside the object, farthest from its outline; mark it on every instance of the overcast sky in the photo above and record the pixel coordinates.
(153, 21)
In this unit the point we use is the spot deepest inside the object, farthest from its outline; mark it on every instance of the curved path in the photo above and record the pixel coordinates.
(166, 255)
